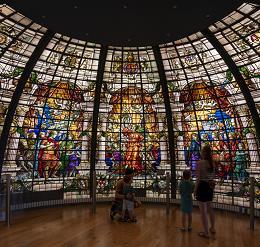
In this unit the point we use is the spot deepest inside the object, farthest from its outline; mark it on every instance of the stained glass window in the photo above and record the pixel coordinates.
(49, 144)
(132, 117)
(209, 107)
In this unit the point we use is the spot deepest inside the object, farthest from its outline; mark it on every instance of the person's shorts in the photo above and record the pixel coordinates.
(204, 192)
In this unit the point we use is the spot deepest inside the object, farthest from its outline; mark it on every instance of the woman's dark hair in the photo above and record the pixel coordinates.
(207, 155)
(129, 171)
(186, 174)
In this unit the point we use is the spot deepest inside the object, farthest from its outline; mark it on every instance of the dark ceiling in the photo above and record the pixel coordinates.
(124, 22)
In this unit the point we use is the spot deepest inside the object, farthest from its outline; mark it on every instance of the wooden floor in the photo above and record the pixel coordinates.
(76, 226)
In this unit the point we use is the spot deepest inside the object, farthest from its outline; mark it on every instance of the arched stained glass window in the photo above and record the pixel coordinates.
(132, 117)
(48, 145)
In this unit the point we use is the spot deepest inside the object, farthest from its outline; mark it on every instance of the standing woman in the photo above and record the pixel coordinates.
(204, 189)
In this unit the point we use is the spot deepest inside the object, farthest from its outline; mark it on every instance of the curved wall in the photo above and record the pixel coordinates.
(49, 144)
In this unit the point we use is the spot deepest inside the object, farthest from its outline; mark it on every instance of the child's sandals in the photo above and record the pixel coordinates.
(132, 220)
(203, 234)
(183, 229)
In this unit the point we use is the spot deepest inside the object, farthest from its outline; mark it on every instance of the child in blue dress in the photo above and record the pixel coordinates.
(186, 190)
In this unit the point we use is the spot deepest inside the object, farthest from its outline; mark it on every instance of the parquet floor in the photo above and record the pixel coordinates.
(76, 226)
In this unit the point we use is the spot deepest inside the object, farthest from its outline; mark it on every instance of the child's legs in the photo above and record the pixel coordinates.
(183, 219)
(189, 219)
(131, 214)
(124, 207)
(130, 208)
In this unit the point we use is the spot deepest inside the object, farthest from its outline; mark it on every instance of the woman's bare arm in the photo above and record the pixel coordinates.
(197, 177)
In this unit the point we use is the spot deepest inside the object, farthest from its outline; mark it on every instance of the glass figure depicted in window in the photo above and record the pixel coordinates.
(132, 136)
(51, 141)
